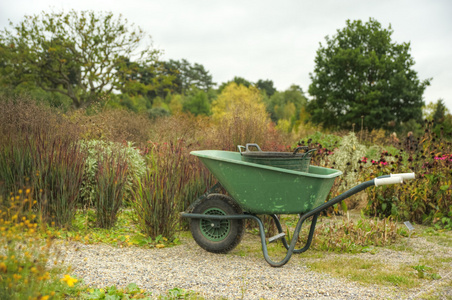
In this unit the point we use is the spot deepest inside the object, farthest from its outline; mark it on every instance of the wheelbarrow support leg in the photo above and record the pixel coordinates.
(310, 236)
(313, 213)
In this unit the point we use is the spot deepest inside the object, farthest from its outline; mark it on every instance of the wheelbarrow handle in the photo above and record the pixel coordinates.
(388, 180)
(300, 148)
(304, 148)
(253, 145)
(405, 176)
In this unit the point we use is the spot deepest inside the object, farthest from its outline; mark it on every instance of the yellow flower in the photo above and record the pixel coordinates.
(17, 277)
(160, 246)
(3, 267)
(69, 280)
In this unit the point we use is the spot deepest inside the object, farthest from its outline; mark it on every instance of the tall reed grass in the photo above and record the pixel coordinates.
(111, 178)
(156, 199)
(40, 149)
(59, 173)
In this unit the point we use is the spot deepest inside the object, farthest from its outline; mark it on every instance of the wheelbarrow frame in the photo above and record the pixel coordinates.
(314, 213)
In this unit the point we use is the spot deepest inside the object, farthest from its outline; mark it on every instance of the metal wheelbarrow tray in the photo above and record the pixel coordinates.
(217, 220)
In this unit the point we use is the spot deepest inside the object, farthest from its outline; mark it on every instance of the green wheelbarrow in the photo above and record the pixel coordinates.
(217, 220)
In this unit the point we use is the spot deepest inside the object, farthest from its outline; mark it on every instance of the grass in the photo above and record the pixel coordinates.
(123, 234)
(364, 271)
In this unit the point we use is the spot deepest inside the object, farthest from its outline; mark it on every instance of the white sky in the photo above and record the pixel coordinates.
(277, 40)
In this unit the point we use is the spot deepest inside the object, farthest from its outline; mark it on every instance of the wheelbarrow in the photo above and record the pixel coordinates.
(217, 220)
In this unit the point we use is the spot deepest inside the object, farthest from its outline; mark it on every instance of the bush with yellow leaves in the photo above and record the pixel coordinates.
(240, 115)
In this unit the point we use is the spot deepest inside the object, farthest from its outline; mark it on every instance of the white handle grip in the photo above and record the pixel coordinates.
(405, 176)
(387, 180)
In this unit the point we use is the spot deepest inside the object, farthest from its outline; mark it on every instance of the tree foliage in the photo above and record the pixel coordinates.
(149, 80)
(286, 105)
(240, 112)
(197, 103)
(237, 80)
(267, 86)
(187, 76)
(78, 54)
(360, 72)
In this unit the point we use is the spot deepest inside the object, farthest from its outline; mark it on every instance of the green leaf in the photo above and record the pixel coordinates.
(133, 288)
(444, 187)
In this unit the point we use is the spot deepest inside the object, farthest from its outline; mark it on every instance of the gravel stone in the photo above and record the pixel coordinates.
(220, 276)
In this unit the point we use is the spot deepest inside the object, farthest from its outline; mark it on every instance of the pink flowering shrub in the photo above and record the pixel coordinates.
(426, 199)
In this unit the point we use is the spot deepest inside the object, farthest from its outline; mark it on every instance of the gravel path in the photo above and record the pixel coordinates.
(216, 276)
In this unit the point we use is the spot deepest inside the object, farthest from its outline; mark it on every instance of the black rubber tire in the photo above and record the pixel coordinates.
(231, 232)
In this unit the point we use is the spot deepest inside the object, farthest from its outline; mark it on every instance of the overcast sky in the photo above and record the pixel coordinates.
(274, 40)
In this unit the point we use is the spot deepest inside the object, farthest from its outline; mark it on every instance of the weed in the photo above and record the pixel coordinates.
(350, 236)
(132, 291)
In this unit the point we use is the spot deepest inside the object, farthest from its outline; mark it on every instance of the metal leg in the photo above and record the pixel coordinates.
(310, 236)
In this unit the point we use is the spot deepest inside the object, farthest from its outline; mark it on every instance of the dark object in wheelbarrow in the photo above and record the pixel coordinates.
(286, 160)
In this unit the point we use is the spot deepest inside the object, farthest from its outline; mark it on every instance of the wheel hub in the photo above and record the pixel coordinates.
(215, 230)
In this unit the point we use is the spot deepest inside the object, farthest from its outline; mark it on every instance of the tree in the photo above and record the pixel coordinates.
(362, 73)
(442, 119)
(151, 80)
(267, 86)
(440, 112)
(197, 103)
(286, 105)
(241, 115)
(80, 55)
(238, 81)
(187, 76)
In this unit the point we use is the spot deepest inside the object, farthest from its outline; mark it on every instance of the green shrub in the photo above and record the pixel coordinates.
(95, 149)
(346, 159)
(328, 141)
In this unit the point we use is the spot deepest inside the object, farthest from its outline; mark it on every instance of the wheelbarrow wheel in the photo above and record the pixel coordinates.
(217, 236)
